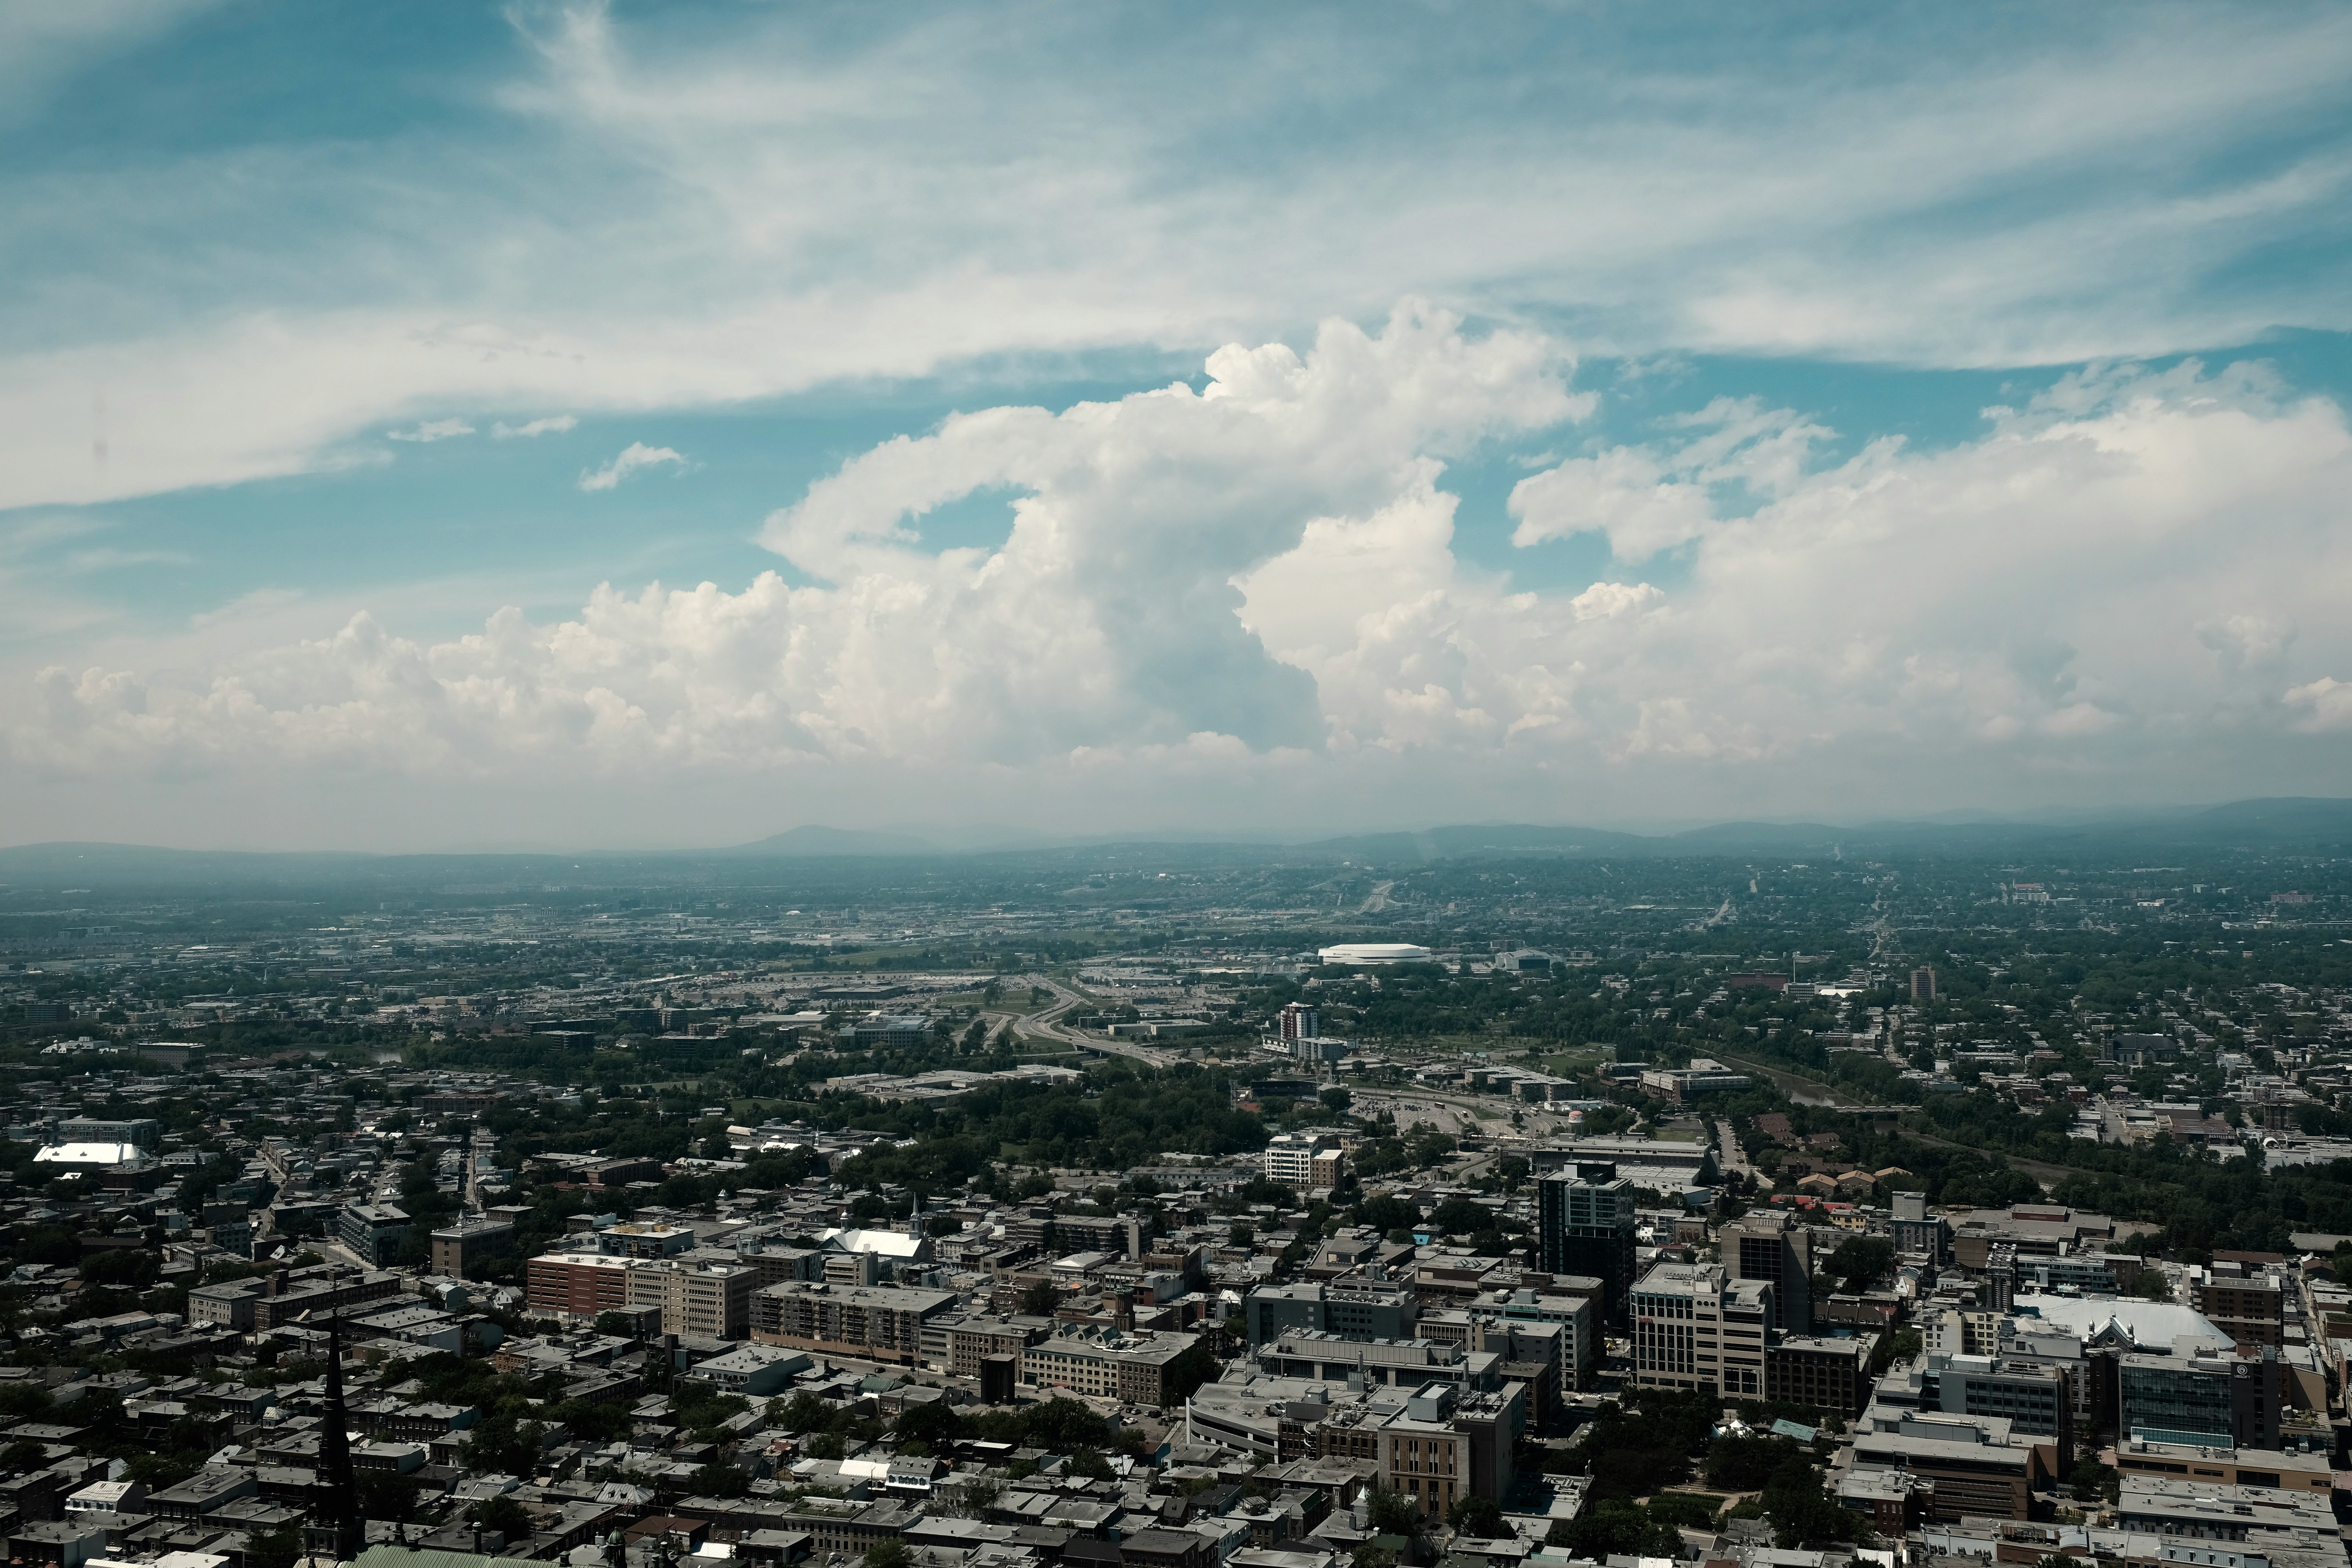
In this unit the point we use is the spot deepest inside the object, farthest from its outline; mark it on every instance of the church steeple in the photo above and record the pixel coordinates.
(333, 1533)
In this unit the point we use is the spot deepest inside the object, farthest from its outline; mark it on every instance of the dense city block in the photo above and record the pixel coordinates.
(1486, 1197)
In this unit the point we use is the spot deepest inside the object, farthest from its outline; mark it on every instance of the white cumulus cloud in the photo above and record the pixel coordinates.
(1247, 600)
(2323, 704)
(634, 456)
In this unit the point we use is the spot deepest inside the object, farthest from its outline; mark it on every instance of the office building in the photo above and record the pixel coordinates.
(2036, 1398)
(1832, 1375)
(2001, 1279)
(2203, 1464)
(457, 1248)
(576, 1287)
(1977, 1464)
(1375, 1363)
(1681, 1086)
(1120, 1234)
(1445, 1445)
(1365, 1311)
(1575, 1313)
(1695, 1328)
(973, 1341)
(2207, 1510)
(374, 1231)
(709, 1300)
(1923, 986)
(632, 1239)
(1584, 1219)
(2036, 1230)
(756, 1371)
(2201, 1393)
(2250, 1308)
(891, 1030)
(1769, 1246)
(1917, 1233)
(1302, 1160)
(1138, 1369)
(1297, 1022)
(144, 1131)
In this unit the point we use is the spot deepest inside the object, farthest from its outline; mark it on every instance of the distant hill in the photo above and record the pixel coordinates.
(1462, 843)
(829, 841)
(117, 865)
(2290, 822)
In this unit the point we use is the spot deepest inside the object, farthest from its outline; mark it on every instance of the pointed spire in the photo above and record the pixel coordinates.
(335, 1532)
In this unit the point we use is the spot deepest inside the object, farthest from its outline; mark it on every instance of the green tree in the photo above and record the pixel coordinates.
(889, 1552)
(1041, 1299)
(501, 1446)
(1391, 1513)
(388, 1495)
(1386, 1214)
(503, 1515)
(1801, 1510)
(716, 1479)
(1461, 1216)
(125, 1268)
(1747, 1464)
(805, 1412)
(1689, 1510)
(1862, 1261)
(273, 1548)
(1614, 1527)
(1476, 1517)
(973, 1498)
(2090, 1481)
(935, 1425)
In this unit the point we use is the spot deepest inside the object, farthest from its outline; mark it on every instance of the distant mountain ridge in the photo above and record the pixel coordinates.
(2302, 824)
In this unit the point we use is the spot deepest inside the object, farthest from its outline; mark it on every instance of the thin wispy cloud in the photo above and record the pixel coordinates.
(635, 456)
(554, 424)
(249, 605)
(1913, 195)
(436, 430)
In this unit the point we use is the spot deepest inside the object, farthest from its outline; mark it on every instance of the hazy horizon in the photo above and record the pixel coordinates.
(584, 424)
(952, 839)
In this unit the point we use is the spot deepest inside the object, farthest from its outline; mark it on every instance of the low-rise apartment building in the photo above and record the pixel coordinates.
(1140, 1369)
(876, 1323)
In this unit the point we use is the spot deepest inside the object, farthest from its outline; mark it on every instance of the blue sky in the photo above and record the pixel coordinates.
(1731, 412)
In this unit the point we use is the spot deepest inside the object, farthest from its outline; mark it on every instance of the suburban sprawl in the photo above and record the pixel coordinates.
(1491, 1198)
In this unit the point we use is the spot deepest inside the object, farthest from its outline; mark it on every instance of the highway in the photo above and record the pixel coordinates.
(2041, 1171)
(1046, 1025)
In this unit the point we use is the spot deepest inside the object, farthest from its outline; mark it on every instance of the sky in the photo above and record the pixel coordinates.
(581, 426)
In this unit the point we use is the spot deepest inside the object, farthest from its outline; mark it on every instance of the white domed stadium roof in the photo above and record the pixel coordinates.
(1374, 952)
